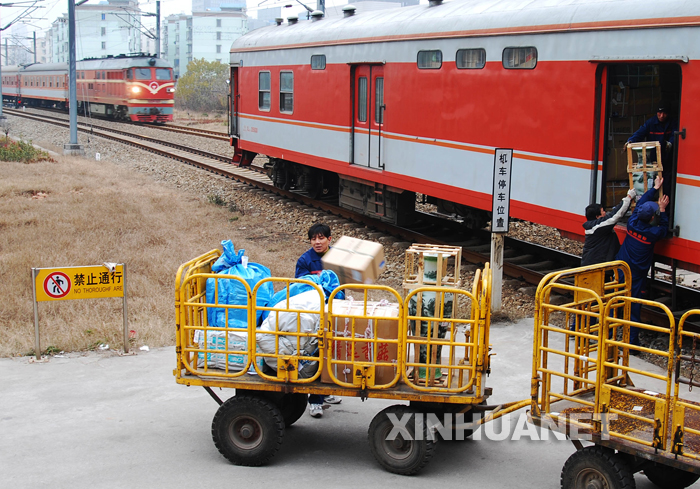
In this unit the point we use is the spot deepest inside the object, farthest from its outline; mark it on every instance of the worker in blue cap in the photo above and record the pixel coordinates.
(647, 225)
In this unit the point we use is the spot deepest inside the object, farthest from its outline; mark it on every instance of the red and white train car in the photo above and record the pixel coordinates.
(416, 99)
(136, 88)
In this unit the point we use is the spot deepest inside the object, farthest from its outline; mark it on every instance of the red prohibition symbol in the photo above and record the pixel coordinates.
(57, 285)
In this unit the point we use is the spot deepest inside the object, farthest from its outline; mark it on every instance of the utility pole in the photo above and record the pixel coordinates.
(34, 47)
(72, 147)
(158, 29)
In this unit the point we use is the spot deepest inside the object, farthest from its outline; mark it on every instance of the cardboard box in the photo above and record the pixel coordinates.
(355, 261)
(342, 326)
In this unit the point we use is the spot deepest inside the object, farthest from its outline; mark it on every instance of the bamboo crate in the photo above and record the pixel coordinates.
(447, 256)
(644, 166)
(415, 276)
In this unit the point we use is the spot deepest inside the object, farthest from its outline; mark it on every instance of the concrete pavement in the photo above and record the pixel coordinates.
(101, 420)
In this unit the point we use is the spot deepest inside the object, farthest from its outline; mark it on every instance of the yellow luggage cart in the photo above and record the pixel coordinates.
(275, 366)
(583, 384)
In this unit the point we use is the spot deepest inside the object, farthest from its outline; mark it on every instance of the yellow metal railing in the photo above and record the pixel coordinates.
(555, 357)
(597, 392)
(685, 423)
(365, 337)
(357, 343)
(290, 339)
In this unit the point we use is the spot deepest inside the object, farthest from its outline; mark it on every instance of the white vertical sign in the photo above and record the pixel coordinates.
(501, 190)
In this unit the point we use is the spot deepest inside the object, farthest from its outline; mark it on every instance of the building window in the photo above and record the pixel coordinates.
(430, 60)
(471, 59)
(103, 31)
(318, 62)
(218, 36)
(103, 16)
(286, 91)
(104, 45)
(218, 48)
(520, 58)
(218, 22)
(264, 90)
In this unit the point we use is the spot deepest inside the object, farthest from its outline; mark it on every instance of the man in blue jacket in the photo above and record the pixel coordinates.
(310, 263)
(647, 225)
(660, 128)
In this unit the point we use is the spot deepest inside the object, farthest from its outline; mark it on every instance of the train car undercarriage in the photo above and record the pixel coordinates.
(383, 202)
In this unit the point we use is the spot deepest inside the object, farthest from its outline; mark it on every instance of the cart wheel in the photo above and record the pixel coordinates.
(292, 407)
(401, 455)
(248, 430)
(668, 477)
(596, 468)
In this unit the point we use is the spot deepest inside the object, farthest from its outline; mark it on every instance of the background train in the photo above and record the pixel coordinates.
(377, 106)
(129, 88)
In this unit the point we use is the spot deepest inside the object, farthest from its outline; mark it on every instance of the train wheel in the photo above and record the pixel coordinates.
(292, 407)
(248, 430)
(668, 477)
(402, 454)
(596, 468)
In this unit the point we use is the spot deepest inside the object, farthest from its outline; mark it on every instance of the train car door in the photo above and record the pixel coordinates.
(368, 116)
(233, 101)
(631, 95)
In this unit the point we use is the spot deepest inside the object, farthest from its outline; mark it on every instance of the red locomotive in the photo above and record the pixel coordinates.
(129, 88)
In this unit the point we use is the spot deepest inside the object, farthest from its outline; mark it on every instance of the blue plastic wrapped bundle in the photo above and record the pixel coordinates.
(327, 279)
(232, 291)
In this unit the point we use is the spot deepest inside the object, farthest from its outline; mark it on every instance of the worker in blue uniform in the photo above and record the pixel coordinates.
(310, 264)
(647, 225)
(661, 128)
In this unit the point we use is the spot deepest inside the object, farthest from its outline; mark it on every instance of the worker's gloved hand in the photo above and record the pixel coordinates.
(631, 194)
(668, 145)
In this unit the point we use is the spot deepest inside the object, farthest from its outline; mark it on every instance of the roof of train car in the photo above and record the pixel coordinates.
(44, 67)
(91, 64)
(122, 62)
(474, 18)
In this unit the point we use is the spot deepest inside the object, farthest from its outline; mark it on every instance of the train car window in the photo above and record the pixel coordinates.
(142, 73)
(378, 99)
(128, 74)
(362, 99)
(471, 59)
(264, 90)
(162, 74)
(430, 60)
(286, 91)
(97, 75)
(520, 58)
(318, 62)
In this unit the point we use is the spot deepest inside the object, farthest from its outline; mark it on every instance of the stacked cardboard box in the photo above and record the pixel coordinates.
(348, 321)
(355, 261)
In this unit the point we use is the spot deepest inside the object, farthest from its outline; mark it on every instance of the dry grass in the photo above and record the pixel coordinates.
(76, 212)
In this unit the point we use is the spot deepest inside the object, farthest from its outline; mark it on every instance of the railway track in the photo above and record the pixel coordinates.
(523, 260)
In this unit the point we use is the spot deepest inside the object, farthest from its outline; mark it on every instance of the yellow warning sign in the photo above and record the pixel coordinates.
(93, 282)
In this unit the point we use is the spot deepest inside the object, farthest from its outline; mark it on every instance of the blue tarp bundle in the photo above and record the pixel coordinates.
(233, 292)
(327, 279)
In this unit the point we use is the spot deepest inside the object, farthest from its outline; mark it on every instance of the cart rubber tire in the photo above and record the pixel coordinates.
(400, 456)
(669, 477)
(292, 407)
(248, 430)
(594, 467)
